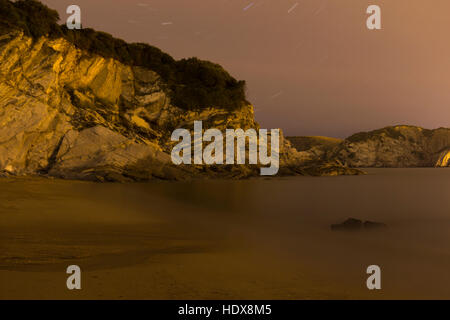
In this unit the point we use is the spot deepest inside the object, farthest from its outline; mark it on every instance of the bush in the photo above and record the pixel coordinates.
(191, 83)
(31, 16)
(205, 83)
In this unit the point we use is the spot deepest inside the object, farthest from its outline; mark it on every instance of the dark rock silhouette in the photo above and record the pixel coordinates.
(348, 225)
(353, 224)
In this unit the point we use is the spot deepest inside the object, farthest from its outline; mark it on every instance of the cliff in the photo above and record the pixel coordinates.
(71, 110)
(395, 147)
(71, 114)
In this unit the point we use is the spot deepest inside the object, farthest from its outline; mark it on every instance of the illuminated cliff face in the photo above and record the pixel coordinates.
(399, 146)
(73, 114)
(444, 159)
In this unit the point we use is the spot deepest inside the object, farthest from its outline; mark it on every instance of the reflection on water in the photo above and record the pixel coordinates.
(48, 224)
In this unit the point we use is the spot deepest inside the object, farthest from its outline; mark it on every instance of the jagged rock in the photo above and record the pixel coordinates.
(100, 154)
(444, 159)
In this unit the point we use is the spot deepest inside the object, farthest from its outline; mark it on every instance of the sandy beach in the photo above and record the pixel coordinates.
(253, 239)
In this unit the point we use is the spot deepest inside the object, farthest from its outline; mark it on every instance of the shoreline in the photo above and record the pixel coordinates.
(246, 239)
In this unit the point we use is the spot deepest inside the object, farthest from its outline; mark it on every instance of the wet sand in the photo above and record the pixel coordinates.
(255, 239)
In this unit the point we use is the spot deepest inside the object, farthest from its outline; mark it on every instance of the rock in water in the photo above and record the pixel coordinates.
(352, 224)
(348, 225)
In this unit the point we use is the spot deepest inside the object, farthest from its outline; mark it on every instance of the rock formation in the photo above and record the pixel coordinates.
(444, 159)
(395, 147)
(352, 224)
(71, 113)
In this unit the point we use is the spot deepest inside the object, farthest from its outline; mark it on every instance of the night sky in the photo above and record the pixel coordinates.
(311, 66)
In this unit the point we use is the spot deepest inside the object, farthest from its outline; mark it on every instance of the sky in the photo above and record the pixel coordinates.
(312, 67)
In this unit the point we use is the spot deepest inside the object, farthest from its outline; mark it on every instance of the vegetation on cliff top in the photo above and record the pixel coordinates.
(191, 83)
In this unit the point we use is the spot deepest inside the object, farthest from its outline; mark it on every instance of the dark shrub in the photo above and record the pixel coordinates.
(31, 16)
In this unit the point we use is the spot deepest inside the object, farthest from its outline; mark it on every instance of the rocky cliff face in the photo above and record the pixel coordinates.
(63, 112)
(68, 113)
(399, 146)
(444, 159)
(396, 147)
